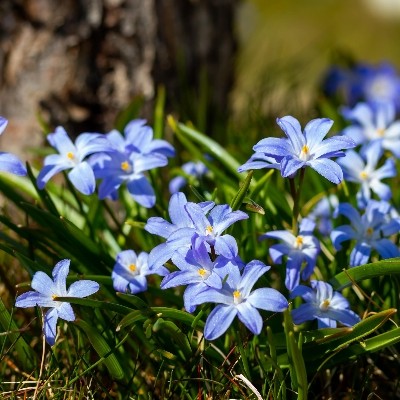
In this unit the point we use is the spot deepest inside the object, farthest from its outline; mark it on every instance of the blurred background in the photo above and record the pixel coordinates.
(222, 64)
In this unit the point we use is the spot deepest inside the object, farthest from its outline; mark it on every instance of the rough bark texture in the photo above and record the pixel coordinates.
(80, 62)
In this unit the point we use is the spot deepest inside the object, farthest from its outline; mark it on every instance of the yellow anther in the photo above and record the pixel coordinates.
(202, 272)
(363, 175)
(370, 231)
(298, 243)
(305, 153)
(125, 166)
(236, 294)
(53, 296)
(380, 132)
(209, 230)
(132, 267)
(70, 155)
(305, 149)
(325, 304)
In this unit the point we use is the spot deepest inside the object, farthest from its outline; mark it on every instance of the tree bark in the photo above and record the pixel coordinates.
(78, 63)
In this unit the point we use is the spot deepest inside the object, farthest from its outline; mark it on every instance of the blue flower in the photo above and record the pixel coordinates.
(196, 270)
(370, 231)
(237, 298)
(178, 232)
(46, 290)
(321, 214)
(9, 162)
(303, 248)
(364, 82)
(209, 228)
(366, 174)
(130, 271)
(374, 122)
(299, 150)
(323, 304)
(195, 169)
(126, 160)
(259, 161)
(381, 83)
(72, 156)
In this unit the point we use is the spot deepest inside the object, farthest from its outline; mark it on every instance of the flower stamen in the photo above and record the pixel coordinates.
(132, 267)
(325, 305)
(125, 166)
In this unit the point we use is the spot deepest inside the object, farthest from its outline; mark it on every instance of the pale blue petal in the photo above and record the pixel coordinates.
(305, 312)
(31, 299)
(60, 273)
(326, 323)
(61, 141)
(160, 255)
(43, 284)
(286, 236)
(159, 226)
(328, 169)
(109, 186)
(82, 177)
(190, 295)
(290, 165)
(277, 251)
(12, 164)
(387, 249)
(50, 326)
(341, 234)
(360, 254)
(47, 172)
(179, 278)
(332, 145)
(211, 295)
(346, 317)
(149, 161)
(274, 147)
(251, 274)
(226, 246)
(176, 184)
(66, 312)
(250, 317)
(177, 212)
(83, 288)
(142, 191)
(3, 124)
(292, 129)
(138, 284)
(316, 130)
(218, 321)
(268, 299)
(305, 292)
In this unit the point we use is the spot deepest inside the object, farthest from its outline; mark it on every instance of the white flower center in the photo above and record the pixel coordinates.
(298, 242)
(305, 153)
(126, 167)
(237, 297)
(324, 305)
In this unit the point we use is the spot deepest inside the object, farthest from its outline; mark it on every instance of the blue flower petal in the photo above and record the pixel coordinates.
(268, 299)
(50, 326)
(12, 164)
(218, 321)
(250, 317)
(82, 177)
(142, 191)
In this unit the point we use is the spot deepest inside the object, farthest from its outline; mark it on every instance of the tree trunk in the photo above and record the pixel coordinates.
(80, 62)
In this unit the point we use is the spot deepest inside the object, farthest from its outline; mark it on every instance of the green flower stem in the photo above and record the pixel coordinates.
(296, 200)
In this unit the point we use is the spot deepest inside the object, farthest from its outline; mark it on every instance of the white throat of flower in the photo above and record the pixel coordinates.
(305, 153)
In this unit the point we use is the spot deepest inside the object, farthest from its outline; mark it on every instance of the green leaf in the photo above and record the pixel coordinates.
(367, 271)
(211, 147)
(359, 331)
(105, 305)
(103, 349)
(26, 357)
(241, 194)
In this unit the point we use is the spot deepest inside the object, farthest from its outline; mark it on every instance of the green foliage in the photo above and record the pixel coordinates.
(146, 346)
